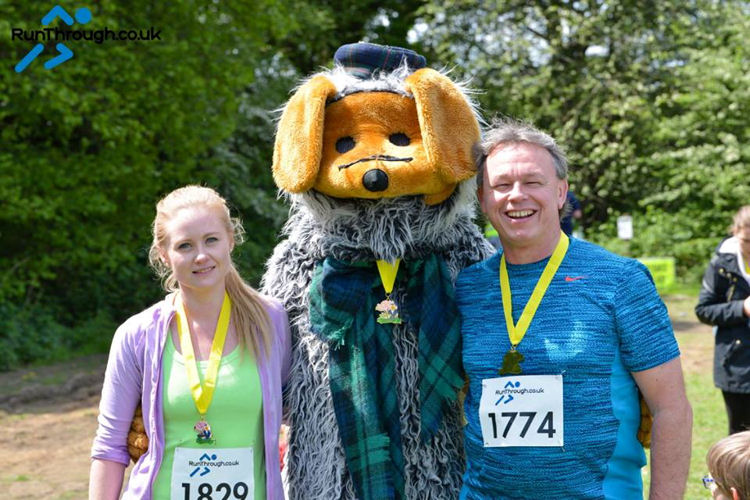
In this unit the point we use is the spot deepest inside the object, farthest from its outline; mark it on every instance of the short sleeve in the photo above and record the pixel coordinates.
(643, 325)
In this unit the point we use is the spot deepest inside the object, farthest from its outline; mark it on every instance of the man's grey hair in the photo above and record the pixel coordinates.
(509, 130)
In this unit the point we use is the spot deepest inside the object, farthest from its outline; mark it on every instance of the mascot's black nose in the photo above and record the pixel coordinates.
(375, 180)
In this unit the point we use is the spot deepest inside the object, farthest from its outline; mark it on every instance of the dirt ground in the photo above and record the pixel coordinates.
(49, 414)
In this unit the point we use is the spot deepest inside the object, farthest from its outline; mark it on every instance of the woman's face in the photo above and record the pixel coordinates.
(743, 236)
(198, 248)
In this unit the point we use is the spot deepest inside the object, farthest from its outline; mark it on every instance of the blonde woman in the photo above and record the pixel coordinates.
(206, 364)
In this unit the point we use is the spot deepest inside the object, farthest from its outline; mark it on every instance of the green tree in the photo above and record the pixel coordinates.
(630, 89)
(321, 26)
(88, 147)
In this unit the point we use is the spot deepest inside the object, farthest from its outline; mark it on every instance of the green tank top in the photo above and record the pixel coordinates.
(235, 414)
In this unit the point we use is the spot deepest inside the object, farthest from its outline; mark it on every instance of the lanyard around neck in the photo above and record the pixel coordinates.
(203, 394)
(388, 273)
(516, 332)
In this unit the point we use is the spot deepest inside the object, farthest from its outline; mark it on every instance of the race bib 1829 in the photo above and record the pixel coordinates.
(523, 410)
(212, 474)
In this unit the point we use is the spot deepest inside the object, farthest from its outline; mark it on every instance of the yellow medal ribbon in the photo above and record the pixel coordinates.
(517, 332)
(388, 273)
(747, 266)
(203, 394)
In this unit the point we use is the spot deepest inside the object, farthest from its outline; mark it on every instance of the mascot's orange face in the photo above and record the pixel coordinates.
(372, 145)
(377, 144)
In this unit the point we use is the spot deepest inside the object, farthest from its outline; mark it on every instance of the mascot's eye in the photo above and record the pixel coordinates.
(345, 144)
(399, 139)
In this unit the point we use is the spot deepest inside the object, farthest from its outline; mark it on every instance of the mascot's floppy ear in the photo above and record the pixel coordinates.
(448, 124)
(299, 138)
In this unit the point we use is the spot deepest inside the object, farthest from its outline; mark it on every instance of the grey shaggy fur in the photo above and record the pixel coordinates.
(358, 229)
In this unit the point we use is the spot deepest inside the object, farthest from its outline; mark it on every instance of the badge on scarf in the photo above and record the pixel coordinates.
(388, 312)
(388, 309)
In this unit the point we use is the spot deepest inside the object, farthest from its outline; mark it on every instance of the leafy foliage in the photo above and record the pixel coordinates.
(648, 98)
(87, 149)
(89, 146)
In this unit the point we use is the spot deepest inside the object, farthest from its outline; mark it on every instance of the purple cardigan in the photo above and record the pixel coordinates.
(134, 376)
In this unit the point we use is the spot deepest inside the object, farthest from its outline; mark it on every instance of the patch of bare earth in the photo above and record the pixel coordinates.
(49, 415)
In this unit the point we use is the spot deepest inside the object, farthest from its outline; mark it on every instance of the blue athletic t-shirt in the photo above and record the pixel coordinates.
(600, 319)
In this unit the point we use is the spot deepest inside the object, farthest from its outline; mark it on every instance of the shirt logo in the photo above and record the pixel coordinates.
(574, 278)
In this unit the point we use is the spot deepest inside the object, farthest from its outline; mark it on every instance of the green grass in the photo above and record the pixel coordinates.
(709, 420)
(709, 417)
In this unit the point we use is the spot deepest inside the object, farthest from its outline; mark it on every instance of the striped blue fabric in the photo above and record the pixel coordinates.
(601, 318)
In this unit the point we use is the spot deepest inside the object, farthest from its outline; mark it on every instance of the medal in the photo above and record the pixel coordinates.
(511, 362)
(203, 430)
(203, 393)
(512, 359)
(387, 308)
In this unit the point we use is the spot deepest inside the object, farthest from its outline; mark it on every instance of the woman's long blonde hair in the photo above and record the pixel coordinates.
(249, 314)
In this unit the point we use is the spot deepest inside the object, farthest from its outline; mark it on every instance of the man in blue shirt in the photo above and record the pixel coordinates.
(559, 335)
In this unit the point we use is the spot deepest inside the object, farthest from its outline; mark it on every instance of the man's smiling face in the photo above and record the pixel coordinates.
(522, 196)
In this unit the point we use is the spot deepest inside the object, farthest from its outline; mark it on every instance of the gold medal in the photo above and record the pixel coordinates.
(511, 362)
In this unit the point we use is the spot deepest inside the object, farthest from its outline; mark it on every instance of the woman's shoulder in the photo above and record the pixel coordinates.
(147, 320)
(274, 307)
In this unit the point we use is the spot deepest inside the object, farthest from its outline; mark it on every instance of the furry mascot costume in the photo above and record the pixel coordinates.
(375, 157)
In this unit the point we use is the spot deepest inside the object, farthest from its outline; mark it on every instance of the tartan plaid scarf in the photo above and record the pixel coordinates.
(362, 373)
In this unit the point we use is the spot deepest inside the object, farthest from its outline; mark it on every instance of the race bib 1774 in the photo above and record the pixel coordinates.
(523, 410)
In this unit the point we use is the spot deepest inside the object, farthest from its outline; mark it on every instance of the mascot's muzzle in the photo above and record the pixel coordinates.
(375, 180)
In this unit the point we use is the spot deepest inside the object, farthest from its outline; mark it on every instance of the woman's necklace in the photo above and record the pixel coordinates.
(203, 393)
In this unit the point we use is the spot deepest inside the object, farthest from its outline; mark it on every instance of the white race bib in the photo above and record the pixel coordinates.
(212, 474)
(522, 410)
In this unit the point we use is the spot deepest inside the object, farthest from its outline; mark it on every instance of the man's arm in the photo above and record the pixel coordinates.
(663, 389)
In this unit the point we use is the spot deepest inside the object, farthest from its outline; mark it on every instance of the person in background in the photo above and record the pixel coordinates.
(571, 212)
(574, 332)
(724, 302)
(206, 364)
(728, 463)
(491, 234)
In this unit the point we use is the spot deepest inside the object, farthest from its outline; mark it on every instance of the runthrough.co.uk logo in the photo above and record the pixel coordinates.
(512, 390)
(49, 34)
